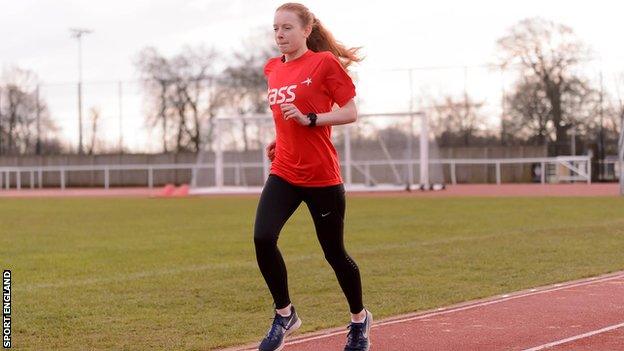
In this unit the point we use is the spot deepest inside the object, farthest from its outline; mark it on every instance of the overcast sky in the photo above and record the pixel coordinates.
(394, 34)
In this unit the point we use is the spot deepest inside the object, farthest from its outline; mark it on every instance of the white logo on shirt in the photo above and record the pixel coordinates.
(307, 81)
(277, 96)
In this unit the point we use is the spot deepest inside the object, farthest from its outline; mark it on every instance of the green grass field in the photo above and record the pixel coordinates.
(156, 274)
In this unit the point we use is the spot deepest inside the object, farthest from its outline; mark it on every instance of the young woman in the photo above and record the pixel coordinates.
(303, 86)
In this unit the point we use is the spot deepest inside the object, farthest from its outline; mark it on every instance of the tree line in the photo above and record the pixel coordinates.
(186, 92)
(550, 99)
(25, 123)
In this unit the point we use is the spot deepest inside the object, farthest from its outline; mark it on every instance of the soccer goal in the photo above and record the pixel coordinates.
(380, 152)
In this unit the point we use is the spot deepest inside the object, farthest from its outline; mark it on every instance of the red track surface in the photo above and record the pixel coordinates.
(493, 190)
(80, 192)
(604, 189)
(581, 315)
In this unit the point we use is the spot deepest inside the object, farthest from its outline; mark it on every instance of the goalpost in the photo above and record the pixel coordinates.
(378, 152)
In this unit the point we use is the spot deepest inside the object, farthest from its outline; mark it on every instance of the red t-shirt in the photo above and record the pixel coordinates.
(313, 82)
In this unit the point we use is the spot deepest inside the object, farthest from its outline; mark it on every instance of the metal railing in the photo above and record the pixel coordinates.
(578, 169)
(579, 166)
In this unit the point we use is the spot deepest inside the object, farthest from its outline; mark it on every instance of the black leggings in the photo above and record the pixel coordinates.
(278, 201)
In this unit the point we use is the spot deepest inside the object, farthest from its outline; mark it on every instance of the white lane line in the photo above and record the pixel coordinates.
(440, 311)
(577, 337)
(556, 287)
(503, 299)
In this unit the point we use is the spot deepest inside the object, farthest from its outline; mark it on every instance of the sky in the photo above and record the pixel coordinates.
(394, 35)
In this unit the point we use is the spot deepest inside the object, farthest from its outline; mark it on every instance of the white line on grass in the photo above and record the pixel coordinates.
(245, 264)
(196, 268)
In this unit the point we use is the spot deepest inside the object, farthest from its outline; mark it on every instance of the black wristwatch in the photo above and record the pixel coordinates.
(312, 118)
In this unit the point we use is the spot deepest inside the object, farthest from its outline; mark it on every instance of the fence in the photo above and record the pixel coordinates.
(550, 170)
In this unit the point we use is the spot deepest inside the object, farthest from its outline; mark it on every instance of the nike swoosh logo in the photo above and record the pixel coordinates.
(325, 214)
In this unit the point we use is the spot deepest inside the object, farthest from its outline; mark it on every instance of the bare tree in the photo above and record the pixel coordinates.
(604, 125)
(620, 102)
(457, 121)
(94, 116)
(183, 92)
(620, 144)
(547, 55)
(244, 79)
(20, 110)
(157, 78)
(529, 112)
(198, 95)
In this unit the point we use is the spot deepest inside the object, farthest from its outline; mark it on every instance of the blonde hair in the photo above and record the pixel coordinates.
(320, 38)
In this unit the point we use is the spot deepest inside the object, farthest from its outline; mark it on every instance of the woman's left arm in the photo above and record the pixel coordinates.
(344, 115)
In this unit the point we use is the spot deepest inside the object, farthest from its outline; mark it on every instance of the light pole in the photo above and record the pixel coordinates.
(78, 33)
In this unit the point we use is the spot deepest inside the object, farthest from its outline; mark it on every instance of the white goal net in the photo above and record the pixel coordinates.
(386, 151)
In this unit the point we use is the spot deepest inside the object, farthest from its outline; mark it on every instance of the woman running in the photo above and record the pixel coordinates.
(303, 86)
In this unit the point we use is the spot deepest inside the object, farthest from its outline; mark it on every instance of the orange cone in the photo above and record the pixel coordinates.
(181, 191)
(168, 190)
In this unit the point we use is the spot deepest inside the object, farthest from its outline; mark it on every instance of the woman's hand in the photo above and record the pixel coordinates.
(290, 111)
(270, 150)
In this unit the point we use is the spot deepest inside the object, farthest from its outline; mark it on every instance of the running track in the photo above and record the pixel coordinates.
(461, 190)
(580, 315)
